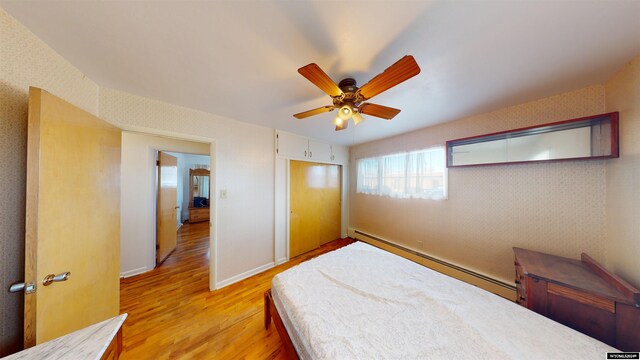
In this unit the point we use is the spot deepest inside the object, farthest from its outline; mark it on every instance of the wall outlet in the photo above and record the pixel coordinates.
(223, 194)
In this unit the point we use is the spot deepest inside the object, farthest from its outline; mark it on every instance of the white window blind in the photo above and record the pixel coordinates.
(416, 174)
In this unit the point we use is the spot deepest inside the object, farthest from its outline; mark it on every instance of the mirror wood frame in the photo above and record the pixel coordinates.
(193, 173)
(198, 214)
(588, 121)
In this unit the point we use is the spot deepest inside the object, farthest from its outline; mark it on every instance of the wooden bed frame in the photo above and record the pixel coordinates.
(270, 312)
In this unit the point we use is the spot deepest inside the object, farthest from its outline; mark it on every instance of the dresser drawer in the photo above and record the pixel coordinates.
(520, 279)
(198, 214)
(586, 318)
(521, 286)
(521, 295)
(519, 274)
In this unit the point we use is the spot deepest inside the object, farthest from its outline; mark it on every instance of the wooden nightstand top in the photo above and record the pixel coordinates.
(586, 275)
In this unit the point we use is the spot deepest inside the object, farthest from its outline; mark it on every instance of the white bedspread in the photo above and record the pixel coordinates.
(360, 302)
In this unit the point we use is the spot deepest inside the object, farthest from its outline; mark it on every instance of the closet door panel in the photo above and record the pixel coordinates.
(314, 205)
(304, 225)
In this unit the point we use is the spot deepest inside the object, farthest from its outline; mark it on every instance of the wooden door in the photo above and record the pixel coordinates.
(72, 218)
(166, 234)
(314, 205)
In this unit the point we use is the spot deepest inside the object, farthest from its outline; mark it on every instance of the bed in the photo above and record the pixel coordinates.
(361, 302)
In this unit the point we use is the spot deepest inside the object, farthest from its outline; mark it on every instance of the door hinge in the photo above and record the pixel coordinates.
(157, 162)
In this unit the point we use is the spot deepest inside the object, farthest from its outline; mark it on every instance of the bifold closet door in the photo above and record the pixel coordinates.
(314, 193)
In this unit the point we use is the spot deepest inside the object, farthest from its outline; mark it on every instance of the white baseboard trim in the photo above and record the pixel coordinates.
(280, 261)
(133, 272)
(244, 275)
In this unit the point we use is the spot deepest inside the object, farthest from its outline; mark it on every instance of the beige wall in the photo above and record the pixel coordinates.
(623, 176)
(243, 164)
(24, 61)
(553, 207)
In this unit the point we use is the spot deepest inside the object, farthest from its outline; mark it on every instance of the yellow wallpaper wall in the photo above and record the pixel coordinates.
(623, 176)
(24, 61)
(552, 207)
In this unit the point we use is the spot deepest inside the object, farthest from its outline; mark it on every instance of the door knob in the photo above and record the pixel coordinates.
(55, 278)
(28, 288)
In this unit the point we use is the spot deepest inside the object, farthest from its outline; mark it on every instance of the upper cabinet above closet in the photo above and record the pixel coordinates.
(319, 151)
(298, 147)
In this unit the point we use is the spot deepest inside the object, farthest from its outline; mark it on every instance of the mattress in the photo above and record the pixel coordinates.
(361, 302)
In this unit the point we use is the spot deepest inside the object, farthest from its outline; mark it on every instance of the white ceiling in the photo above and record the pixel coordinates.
(239, 58)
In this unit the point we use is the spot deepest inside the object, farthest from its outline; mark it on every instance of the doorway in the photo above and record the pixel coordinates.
(315, 205)
(182, 197)
(139, 195)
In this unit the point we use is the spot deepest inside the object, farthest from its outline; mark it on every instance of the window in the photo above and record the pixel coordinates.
(417, 174)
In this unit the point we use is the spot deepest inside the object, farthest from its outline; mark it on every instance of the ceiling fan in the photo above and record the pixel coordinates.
(349, 99)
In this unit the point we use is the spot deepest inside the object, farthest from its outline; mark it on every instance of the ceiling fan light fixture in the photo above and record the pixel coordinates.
(345, 112)
(357, 118)
(338, 121)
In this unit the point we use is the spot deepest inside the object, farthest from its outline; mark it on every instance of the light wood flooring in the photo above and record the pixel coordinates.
(173, 315)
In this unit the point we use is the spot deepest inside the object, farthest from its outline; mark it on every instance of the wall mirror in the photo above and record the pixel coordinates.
(199, 195)
(594, 137)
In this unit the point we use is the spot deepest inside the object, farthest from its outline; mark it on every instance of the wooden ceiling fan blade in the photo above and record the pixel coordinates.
(317, 111)
(380, 111)
(357, 118)
(402, 70)
(320, 79)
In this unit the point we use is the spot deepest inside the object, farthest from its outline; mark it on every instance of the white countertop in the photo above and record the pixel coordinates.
(88, 343)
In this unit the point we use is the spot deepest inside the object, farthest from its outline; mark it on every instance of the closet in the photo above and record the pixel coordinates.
(314, 205)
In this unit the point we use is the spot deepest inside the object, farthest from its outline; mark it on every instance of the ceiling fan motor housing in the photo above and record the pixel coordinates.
(349, 93)
(348, 85)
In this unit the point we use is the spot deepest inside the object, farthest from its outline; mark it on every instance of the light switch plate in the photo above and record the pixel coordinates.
(223, 194)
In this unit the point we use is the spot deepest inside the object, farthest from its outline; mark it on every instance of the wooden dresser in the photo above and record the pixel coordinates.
(580, 294)
(198, 214)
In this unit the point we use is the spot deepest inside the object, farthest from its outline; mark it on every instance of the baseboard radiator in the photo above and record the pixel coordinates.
(499, 287)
